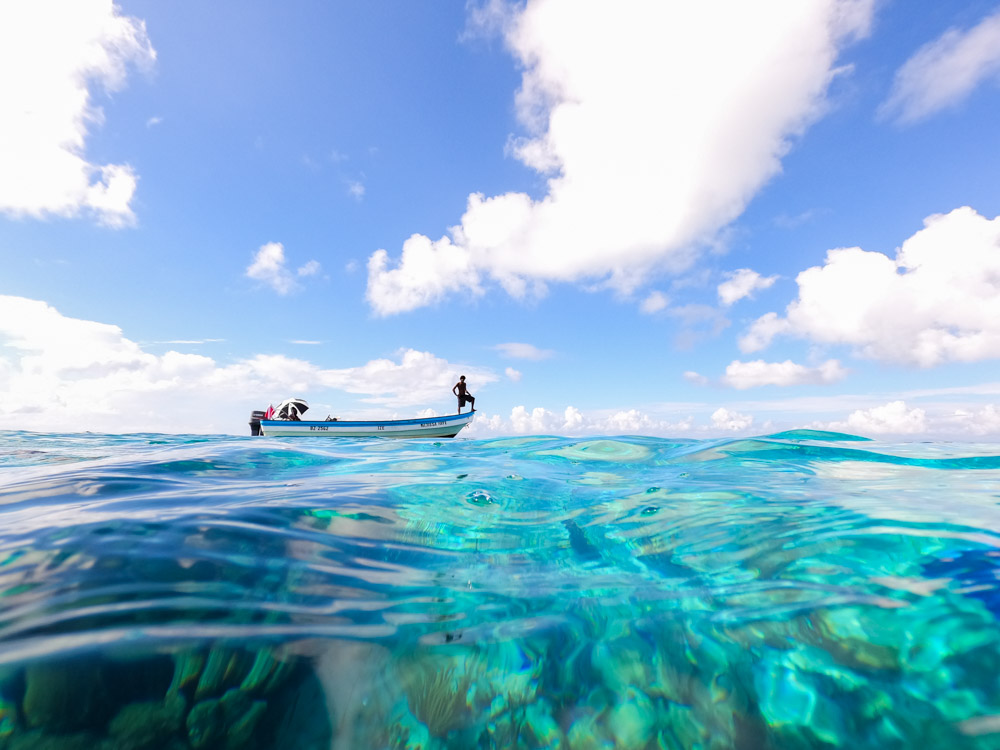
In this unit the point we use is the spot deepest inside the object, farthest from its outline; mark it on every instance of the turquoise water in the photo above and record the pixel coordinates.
(803, 590)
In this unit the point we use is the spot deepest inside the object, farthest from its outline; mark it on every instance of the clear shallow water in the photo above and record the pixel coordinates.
(804, 590)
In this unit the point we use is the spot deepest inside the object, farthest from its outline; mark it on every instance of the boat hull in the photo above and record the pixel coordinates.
(430, 427)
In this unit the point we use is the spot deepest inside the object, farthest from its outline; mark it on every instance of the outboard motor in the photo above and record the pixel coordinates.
(255, 417)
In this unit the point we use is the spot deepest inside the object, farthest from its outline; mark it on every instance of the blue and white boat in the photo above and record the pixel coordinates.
(286, 421)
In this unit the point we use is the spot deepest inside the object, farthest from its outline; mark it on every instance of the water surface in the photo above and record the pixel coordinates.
(801, 590)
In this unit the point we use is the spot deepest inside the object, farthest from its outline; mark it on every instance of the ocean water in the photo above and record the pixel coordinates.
(801, 590)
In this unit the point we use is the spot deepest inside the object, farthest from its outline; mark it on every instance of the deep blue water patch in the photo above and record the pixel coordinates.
(186, 592)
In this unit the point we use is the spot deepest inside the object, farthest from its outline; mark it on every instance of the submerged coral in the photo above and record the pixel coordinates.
(437, 696)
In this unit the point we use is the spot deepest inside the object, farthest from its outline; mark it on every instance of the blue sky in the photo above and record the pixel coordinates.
(613, 218)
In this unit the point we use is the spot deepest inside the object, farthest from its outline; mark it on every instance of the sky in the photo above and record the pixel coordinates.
(691, 220)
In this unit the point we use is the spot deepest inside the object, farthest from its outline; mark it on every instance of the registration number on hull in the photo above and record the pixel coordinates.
(322, 428)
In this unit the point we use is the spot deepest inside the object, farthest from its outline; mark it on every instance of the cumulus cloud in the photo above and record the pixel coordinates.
(944, 72)
(427, 272)
(743, 375)
(733, 421)
(54, 54)
(270, 267)
(67, 374)
(937, 301)
(512, 374)
(742, 283)
(516, 350)
(649, 148)
(538, 421)
(894, 418)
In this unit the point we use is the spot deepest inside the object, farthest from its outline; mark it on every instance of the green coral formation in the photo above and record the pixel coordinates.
(53, 698)
(144, 725)
(213, 699)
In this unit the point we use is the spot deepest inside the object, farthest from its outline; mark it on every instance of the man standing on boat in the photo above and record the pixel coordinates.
(464, 397)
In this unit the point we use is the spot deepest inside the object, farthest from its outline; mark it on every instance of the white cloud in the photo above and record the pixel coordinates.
(655, 302)
(309, 269)
(941, 417)
(650, 148)
(270, 267)
(417, 377)
(541, 421)
(938, 301)
(155, 120)
(724, 419)
(356, 189)
(512, 374)
(894, 418)
(635, 422)
(538, 421)
(763, 331)
(428, 271)
(742, 375)
(488, 18)
(52, 54)
(67, 374)
(944, 72)
(742, 283)
(64, 374)
(981, 421)
(176, 342)
(693, 377)
(516, 350)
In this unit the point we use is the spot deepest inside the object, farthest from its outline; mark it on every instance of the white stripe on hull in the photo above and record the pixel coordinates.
(444, 427)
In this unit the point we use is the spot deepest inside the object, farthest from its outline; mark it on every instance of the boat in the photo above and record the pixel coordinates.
(286, 421)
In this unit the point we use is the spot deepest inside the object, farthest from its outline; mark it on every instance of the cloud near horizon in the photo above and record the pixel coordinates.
(571, 422)
(64, 374)
(53, 54)
(938, 301)
(649, 149)
(893, 418)
(60, 373)
(944, 72)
